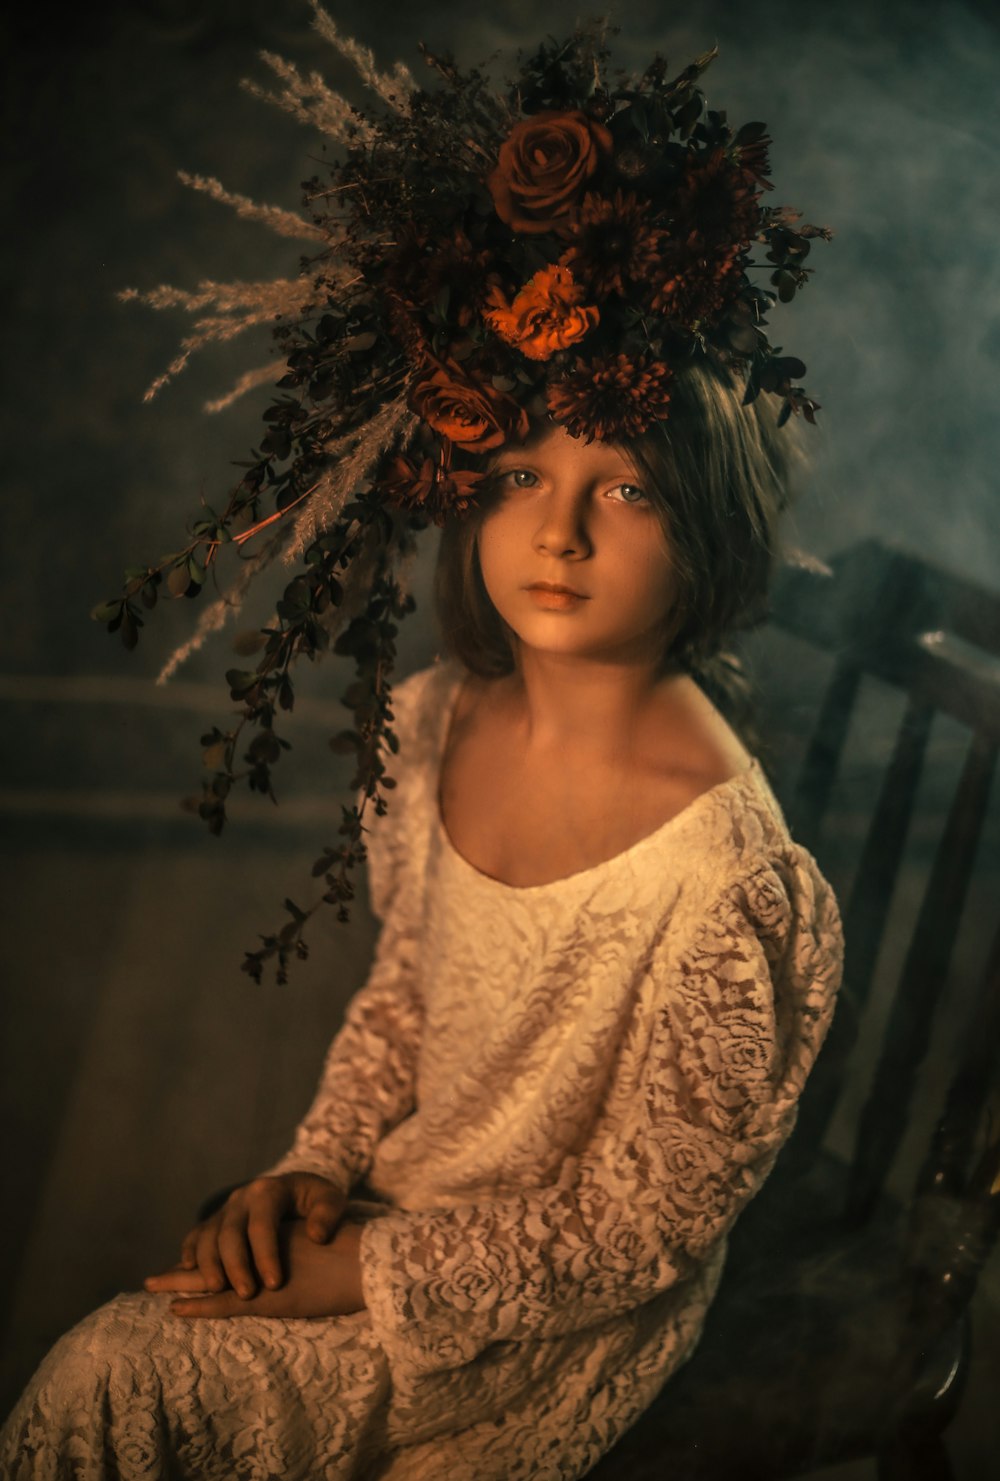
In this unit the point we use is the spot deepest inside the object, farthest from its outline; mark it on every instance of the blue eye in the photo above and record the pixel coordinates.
(631, 494)
(521, 478)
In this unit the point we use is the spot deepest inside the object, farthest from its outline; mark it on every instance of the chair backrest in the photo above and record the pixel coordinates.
(887, 617)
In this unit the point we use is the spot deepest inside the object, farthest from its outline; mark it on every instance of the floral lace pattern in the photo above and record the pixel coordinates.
(560, 1096)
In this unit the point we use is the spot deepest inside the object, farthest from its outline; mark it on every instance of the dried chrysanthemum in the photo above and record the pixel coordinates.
(696, 284)
(716, 202)
(611, 397)
(614, 243)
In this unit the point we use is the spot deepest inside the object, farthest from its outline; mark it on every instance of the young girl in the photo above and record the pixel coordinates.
(603, 974)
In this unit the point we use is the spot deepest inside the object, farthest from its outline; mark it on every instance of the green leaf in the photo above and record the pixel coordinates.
(249, 642)
(178, 580)
(106, 611)
(241, 681)
(130, 628)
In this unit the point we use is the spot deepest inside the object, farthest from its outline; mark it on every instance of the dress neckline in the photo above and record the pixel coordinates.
(749, 778)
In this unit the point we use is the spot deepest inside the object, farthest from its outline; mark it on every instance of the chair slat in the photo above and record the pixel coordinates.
(946, 1167)
(819, 769)
(907, 1035)
(868, 905)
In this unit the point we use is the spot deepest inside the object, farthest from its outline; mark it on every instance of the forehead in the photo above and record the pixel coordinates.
(552, 446)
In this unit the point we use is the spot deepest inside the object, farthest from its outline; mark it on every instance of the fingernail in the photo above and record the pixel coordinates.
(272, 1281)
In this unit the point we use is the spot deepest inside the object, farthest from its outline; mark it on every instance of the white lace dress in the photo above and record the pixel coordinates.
(561, 1096)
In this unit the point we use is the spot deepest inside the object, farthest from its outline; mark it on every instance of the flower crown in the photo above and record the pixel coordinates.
(558, 249)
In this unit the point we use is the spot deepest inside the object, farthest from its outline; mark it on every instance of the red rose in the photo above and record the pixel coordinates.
(474, 417)
(544, 168)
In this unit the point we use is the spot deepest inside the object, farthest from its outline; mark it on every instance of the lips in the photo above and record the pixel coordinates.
(555, 587)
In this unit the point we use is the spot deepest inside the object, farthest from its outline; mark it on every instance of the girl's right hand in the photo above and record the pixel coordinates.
(239, 1242)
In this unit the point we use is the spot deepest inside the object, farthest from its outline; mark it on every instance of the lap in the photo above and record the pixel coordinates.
(135, 1391)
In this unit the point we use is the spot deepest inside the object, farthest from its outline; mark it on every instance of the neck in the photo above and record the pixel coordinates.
(569, 706)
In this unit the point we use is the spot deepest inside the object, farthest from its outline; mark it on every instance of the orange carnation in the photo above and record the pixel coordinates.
(475, 417)
(545, 166)
(547, 315)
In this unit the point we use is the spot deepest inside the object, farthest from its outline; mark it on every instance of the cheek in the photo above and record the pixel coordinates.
(496, 543)
(651, 571)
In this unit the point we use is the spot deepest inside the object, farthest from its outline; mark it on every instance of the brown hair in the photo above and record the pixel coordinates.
(719, 475)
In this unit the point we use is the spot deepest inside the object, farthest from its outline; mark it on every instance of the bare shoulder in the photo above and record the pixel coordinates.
(689, 744)
(478, 699)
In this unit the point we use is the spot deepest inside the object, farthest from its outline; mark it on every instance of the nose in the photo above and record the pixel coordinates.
(562, 525)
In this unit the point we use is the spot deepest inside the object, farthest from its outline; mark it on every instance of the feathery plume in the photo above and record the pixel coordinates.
(272, 296)
(249, 381)
(313, 103)
(283, 223)
(356, 455)
(247, 304)
(392, 87)
(214, 618)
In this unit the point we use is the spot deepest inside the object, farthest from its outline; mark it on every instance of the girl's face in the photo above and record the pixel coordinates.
(573, 515)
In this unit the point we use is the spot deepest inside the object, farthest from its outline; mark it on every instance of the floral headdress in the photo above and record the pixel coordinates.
(561, 249)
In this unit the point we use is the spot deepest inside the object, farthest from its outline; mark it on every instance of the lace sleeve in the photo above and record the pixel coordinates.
(367, 1084)
(740, 1010)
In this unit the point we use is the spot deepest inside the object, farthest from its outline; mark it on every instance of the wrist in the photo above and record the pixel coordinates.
(348, 1243)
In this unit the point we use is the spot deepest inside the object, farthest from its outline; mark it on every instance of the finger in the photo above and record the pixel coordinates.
(178, 1279)
(219, 1303)
(323, 1211)
(229, 1304)
(189, 1248)
(262, 1229)
(234, 1253)
(207, 1257)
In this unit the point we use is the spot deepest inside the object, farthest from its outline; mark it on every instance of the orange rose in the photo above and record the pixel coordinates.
(544, 167)
(475, 417)
(547, 314)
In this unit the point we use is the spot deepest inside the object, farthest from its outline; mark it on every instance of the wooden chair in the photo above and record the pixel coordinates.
(841, 1329)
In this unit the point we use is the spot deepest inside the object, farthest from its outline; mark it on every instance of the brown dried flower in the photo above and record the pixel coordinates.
(614, 243)
(611, 397)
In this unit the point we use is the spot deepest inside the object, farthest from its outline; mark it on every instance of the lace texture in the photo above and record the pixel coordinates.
(560, 1098)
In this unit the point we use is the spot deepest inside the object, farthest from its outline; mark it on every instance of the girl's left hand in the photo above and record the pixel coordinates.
(323, 1280)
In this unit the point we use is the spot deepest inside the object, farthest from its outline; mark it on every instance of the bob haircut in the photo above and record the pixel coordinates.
(719, 475)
